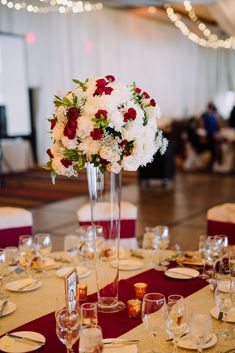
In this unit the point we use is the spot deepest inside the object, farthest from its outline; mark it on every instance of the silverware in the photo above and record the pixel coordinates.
(26, 339)
(4, 303)
(231, 350)
(120, 342)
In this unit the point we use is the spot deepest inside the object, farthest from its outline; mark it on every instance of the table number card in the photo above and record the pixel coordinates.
(71, 289)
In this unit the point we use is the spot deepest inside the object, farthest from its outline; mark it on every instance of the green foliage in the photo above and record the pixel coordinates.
(81, 84)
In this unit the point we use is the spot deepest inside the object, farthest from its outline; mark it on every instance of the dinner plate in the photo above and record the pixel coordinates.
(182, 273)
(8, 309)
(23, 285)
(230, 317)
(82, 271)
(187, 343)
(13, 345)
(122, 348)
(127, 264)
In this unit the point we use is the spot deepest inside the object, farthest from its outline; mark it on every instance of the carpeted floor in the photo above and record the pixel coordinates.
(34, 188)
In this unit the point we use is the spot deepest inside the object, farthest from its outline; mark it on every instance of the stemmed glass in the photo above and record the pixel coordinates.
(223, 302)
(162, 240)
(175, 318)
(43, 245)
(152, 313)
(200, 329)
(67, 327)
(26, 248)
(91, 340)
(150, 245)
(71, 246)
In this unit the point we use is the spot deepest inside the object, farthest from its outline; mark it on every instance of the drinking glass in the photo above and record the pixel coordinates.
(162, 240)
(91, 340)
(26, 248)
(223, 302)
(89, 315)
(67, 327)
(11, 257)
(3, 271)
(213, 252)
(150, 245)
(175, 318)
(152, 313)
(71, 246)
(200, 329)
(43, 245)
(202, 251)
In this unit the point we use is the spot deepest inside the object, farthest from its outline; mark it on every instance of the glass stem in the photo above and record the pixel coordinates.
(175, 341)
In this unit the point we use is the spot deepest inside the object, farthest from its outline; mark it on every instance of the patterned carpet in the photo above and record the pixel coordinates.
(34, 188)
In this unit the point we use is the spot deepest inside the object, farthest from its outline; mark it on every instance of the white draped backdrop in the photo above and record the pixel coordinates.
(181, 75)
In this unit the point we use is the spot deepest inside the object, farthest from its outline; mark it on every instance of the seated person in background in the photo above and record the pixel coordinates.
(232, 118)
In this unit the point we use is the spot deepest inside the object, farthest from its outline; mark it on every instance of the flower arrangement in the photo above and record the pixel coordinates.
(104, 122)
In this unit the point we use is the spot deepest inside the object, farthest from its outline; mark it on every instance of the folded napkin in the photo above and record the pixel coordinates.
(23, 283)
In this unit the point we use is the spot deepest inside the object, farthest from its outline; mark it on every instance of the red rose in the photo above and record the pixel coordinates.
(99, 91)
(137, 90)
(49, 153)
(127, 153)
(103, 161)
(66, 163)
(146, 95)
(103, 112)
(96, 134)
(70, 133)
(101, 82)
(72, 123)
(130, 115)
(108, 90)
(123, 143)
(72, 113)
(53, 123)
(153, 103)
(110, 78)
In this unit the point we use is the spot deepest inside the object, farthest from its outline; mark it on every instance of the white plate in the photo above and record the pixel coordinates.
(231, 314)
(8, 309)
(15, 286)
(186, 343)
(12, 345)
(182, 273)
(128, 264)
(82, 271)
(129, 348)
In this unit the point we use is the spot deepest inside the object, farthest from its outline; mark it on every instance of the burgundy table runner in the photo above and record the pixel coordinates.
(114, 325)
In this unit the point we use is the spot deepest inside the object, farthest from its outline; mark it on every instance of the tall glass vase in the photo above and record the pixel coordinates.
(105, 194)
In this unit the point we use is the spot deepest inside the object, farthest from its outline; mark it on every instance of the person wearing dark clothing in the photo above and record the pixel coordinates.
(232, 118)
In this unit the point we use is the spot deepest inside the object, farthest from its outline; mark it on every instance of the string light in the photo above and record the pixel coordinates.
(209, 39)
(45, 6)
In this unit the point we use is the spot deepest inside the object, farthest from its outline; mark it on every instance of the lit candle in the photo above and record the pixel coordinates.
(140, 290)
(82, 292)
(133, 308)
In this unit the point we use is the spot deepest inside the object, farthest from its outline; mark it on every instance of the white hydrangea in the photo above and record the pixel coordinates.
(61, 170)
(85, 126)
(89, 147)
(70, 144)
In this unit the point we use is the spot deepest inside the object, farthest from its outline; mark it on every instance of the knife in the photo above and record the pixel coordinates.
(23, 338)
(120, 342)
(4, 303)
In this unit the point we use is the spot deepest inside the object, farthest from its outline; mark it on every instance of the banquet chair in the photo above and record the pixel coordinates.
(127, 224)
(221, 220)
(14, 221)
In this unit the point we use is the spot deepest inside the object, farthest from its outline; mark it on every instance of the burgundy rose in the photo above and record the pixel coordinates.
(96, 134)
(66, 163)
(108, 90)
(72, 113)
(127, 153)
(110, 78)
(146, 95)
(153, 103)
(137, 90)
(103, 161)
(49, 153)
(101, 82)
(123, 143)
(72, 123)
(103, 112)
(69, 132)
(53, 123)
(130, 115)
(99, 91)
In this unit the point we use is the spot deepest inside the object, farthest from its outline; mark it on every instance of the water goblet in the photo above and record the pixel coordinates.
(43, 245)
(200, 329)
(67, 327)
(89, 314)
(149, 245)
(175, 318)
(26, 248)
(11, 257)
(152, 313)
(162, 240)
(91, 339)
(71, 246)
(223, 302)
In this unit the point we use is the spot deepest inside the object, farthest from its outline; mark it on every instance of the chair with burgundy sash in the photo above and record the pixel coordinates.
(221, 221)
(128, 220)
(14, 221)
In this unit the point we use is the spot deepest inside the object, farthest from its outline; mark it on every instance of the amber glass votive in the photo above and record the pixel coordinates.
(134, 308)
(82, 292)
(140, 290)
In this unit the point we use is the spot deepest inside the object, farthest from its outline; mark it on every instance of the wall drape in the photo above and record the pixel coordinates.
(181, 75)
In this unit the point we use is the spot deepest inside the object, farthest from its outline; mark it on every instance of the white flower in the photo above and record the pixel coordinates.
(60, 114)
(153, 112)
(58, 132)
(106, 153)
(61, 170)
(121, 92)
(70, 144)
(84, 127)
(131, 131)
(91, 88)
(116, 120)
(130, 163)
(57, 151)
(89, 147)
(115, 168)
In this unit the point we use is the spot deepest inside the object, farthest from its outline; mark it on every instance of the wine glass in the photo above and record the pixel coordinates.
(3, 271)
(175, 318)
(43, 245)
(26, 248)
(200, 329)
(152, 313)
(162, 240)
(202, 248)
(91, 340)
(150, 244)
(71, 246)
(67, 327)
(224, 302)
